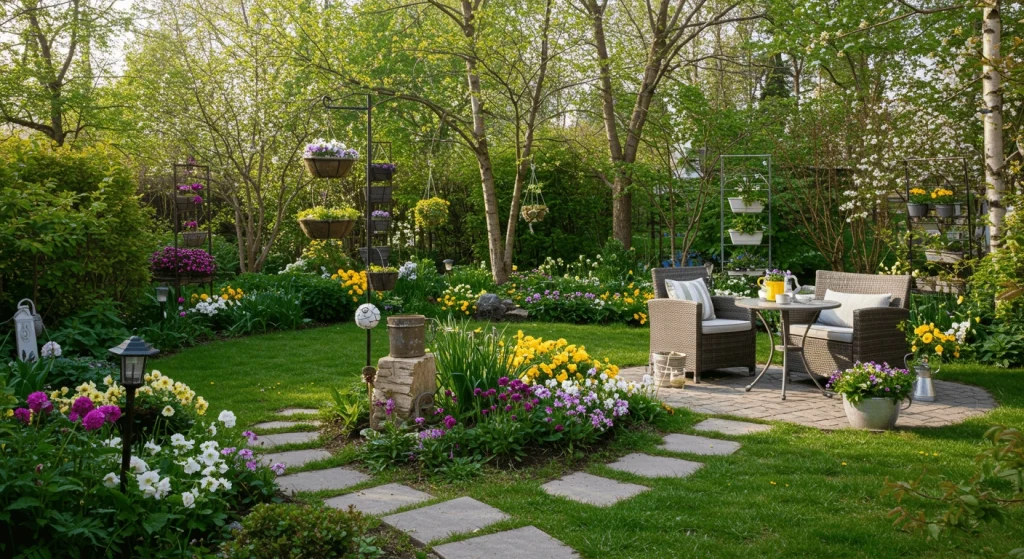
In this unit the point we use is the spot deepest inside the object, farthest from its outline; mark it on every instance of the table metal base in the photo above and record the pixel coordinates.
(785, 347)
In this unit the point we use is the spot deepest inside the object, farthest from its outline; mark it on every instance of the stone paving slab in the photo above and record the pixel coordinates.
(655, 466)
(721, 393)
(298, 411)
(283, 424)
(295, 458)
(457, 516)
(591, 489)
(730, 427)
(320, 480)
(693, 444)
(379, 500)
(277, 439)
(522, 543)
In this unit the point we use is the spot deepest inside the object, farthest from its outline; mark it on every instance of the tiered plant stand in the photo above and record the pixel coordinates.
(185, 211)
(755, 172)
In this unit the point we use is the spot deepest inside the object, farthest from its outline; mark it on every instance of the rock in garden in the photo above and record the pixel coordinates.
(489, 307)
(517, 315)
(509, 305)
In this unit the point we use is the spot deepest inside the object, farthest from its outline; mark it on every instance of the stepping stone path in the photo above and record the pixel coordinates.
(442, 520)
(730, 427)
(319, 480)
(267, 441)
(298, 411)
(296, 458)
(692, 444)
(591, 489)
(283, 424)
(379, 500)
(521, 543)
(655, 466)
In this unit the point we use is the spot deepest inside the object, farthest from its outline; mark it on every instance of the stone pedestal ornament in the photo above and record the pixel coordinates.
(409, 382)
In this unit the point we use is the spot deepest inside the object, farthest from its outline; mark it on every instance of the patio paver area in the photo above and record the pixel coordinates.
(721, 393)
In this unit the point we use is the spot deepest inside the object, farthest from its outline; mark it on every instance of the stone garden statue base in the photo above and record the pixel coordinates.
(408, 381)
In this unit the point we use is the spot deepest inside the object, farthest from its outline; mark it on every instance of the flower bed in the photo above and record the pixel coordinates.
(187, 477)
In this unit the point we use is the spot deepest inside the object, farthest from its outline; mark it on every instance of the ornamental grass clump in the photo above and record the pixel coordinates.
(871, 380)
(170, 261)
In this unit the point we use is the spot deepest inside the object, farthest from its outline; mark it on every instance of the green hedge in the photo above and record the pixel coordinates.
(72, 230)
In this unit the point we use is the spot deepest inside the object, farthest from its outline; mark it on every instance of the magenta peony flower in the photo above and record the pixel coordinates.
(110, 413)
(23, 415)
(93, 420)
(81, 406)
(37, 401)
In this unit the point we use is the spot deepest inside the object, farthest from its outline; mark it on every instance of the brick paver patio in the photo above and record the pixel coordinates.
(721, 392)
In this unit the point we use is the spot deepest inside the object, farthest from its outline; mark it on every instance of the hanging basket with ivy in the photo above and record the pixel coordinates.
(534, 210)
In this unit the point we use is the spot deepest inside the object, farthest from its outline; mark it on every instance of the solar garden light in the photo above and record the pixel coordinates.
(25, 319)
(133, 353)
(161, 297)
(448, 264)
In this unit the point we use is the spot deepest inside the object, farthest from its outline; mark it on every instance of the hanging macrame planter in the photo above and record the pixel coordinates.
(432, 211)
(534, 209)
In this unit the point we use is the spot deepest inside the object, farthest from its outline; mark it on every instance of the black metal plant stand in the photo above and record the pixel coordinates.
(368, 109)
(199, 213)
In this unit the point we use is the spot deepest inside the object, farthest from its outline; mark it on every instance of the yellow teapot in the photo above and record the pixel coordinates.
(773, 288)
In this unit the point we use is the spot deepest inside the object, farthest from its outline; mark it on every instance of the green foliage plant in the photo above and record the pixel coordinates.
(323, 213)
(746, 223)
(280, 531)
(431, 213)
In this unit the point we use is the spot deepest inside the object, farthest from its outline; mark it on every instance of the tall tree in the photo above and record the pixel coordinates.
(53, 59)
(662, 29)
(992, 96)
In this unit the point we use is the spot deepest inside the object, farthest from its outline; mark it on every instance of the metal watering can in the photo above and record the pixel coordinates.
(924, 389)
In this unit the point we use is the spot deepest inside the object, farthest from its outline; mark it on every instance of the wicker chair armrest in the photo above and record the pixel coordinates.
(675, 324)
(879, 328)
(726, 307)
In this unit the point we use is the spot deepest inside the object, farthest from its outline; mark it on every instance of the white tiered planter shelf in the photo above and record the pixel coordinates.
(745, 238)
(738, 206)
(943, 256)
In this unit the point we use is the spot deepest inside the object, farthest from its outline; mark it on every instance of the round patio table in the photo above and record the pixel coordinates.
(815, 306)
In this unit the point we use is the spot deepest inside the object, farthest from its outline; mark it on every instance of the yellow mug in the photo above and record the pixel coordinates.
(772, 287)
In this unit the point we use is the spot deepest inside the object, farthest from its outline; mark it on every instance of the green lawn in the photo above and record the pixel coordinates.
(791, 492)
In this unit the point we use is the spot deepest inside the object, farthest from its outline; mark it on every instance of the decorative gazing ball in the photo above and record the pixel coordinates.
(367, 316)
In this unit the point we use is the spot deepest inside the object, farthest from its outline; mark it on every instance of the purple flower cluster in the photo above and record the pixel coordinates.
(323, 148)
(184, 261)
(557, 296)
(872, 380)
(380, 214)
(191, 225)
(388, 405)
(92, 419)
(384, 166)
(194, 187)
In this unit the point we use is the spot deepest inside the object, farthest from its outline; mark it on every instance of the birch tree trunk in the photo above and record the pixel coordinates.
(991, 29)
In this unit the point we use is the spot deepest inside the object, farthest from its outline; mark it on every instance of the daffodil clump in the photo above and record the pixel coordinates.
(352, 281)
(459, 299)
(932, 343)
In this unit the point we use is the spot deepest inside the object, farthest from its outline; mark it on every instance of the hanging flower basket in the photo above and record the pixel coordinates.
(380, 220)
(382, 172)
(381, 194)
(193, 265)
(194, 238)
(321, 223)
(534, 213)
(378, 255)
(431, 213)
(188, 202)
(382, 279)
(329, 159)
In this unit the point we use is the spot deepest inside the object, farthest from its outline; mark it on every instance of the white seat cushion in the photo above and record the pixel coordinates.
(692, 290)
(843, 316)
(723, 325)
(821, 332)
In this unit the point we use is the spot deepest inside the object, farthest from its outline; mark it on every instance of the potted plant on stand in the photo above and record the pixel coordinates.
(943, 200)
(380, 220)
(431, 213)
(321, 222)
(746, 230)
(872, 394)
(382, 172)
(746, 263)
(917, 205)
(382, 278)
(188, 196)
(186, 265)
(192, 236)
(940, 249)
(750, 199)
(329, 159)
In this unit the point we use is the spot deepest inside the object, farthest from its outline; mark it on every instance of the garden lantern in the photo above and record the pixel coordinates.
(161, 293)
(25, 329)
(448, 264)
(133, 353)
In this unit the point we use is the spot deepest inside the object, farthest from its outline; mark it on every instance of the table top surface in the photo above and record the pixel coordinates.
(761, 304)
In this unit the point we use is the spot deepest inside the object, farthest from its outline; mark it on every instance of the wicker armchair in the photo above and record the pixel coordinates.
(677, 326)
(876, 335)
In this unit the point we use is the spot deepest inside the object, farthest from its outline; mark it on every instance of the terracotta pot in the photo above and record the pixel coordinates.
(879, 414)
(328, 167)
(326, 229)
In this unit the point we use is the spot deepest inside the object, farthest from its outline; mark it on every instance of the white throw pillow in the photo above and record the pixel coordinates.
(692, 290)
(843, 316)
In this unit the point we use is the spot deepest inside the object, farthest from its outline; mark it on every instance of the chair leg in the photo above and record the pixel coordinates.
(750, 370)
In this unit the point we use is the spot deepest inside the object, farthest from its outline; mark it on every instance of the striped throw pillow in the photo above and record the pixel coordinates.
(692, 290)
